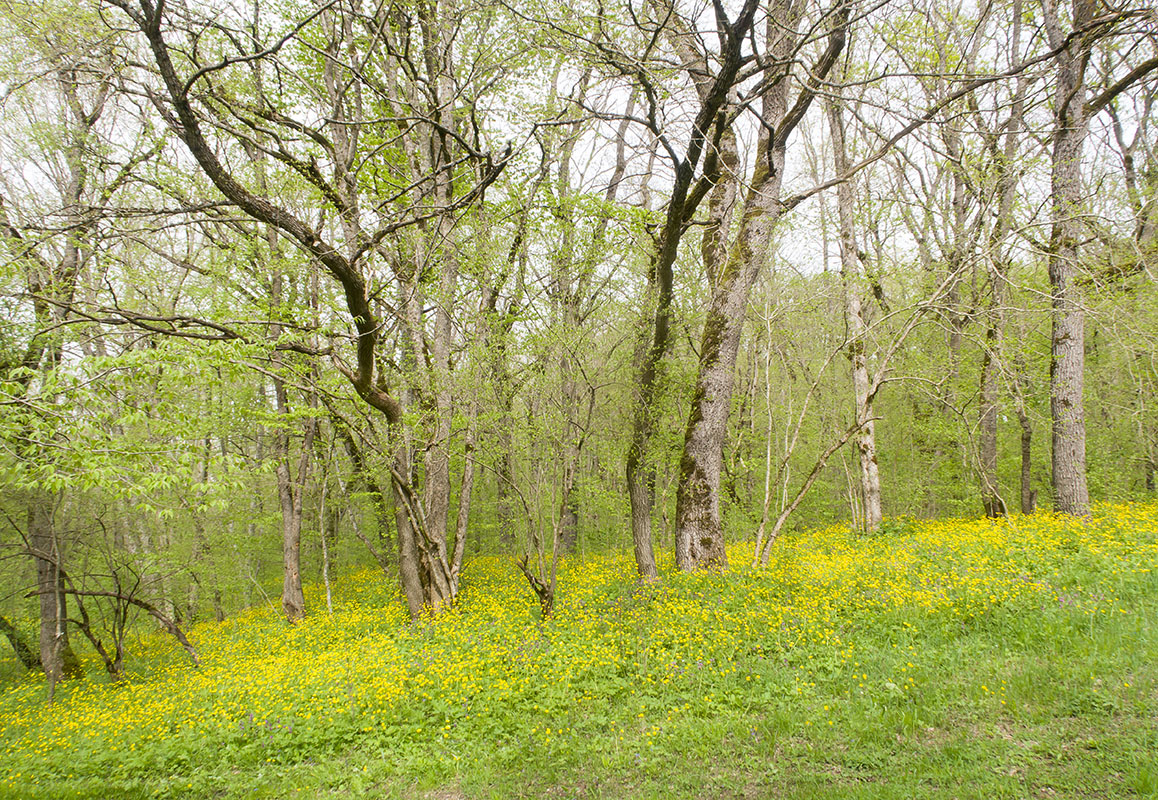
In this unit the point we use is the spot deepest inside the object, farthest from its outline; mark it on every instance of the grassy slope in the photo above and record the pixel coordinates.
(947, 659)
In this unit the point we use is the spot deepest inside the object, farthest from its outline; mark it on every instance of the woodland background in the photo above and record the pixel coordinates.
(292, 287)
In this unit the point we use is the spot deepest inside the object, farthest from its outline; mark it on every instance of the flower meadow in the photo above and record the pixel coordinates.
(925, 652)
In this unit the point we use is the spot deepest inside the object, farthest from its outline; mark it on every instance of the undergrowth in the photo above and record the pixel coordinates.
(956, 658)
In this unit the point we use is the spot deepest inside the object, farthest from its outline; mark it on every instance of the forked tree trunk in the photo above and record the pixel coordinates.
(699, 536)
(681, 207)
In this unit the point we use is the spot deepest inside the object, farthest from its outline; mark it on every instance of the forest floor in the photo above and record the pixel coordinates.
(947, 659)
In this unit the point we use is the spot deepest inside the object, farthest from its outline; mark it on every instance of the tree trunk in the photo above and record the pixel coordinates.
(409, 563)
(1028, 495)
(56, 654)
(23, 652)
(699, 539)
(991, 499)
(1007, 181)
(640, 472)
(651, 349)
(465, 492)
(850, 273)
(290, 488)
(506, 503)
(290, 495)
(1067, 362)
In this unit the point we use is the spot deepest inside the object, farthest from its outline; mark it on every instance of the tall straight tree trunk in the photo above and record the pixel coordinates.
(291, 489)
(640, 471)
(991, 500)
(1000, 260)
(465, 492)
(850, 273)
(1067, 361)
(51, 276)
(649, 353)
(506, 503)
(1028, 495)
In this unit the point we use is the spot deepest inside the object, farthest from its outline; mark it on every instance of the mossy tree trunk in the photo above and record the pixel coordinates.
(699, 536)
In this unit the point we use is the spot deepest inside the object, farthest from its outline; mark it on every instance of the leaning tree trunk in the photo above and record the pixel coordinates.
(699, 536)
(23, 652)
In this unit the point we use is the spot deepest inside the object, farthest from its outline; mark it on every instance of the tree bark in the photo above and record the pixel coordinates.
(1000, 260)
(699, 536)
(24, 652)
(56, 654)
(653, 344)
(1028, 495)
(850, 273)
(1067, 351)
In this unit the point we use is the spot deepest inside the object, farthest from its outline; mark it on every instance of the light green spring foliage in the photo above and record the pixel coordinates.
(617, 661)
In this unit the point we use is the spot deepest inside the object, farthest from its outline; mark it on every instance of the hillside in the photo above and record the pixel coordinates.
(957, 658)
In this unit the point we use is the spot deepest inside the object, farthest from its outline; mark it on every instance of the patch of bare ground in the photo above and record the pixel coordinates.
(450, 793)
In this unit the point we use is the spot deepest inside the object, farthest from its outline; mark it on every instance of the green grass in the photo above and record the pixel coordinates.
(954, 659)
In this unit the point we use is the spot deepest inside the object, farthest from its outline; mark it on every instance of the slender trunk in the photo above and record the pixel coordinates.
(1028, 495)
(991, 499)
(572, 434)
(640, 475)
(290, 487)
(465, 493)
(506, 501)
(291, 493)
(958, 256)
(1007, 182)
(200, 548)
(367, 484)
(850, 273)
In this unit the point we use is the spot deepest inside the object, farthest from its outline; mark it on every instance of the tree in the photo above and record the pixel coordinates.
(53, 243)
(854, 315)
(708, 129)
(396, 160)
(1071, 117)
(699, 534)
